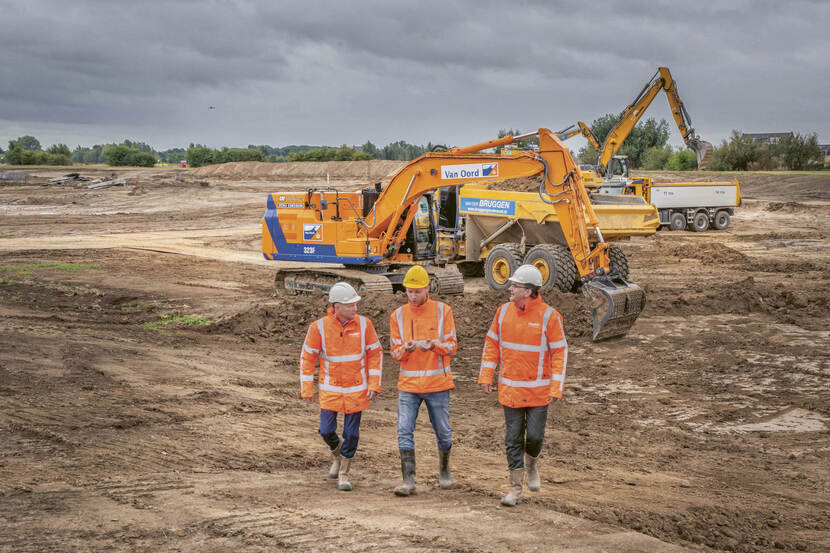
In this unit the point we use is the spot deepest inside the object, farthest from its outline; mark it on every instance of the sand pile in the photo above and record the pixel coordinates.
(368, 171)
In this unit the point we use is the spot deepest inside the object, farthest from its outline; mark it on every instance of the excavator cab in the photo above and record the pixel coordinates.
(420, 237)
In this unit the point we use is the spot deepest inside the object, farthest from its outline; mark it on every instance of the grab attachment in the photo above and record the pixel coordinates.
(615, 304)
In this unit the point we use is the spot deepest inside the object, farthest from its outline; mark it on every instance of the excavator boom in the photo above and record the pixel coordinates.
(661, 80)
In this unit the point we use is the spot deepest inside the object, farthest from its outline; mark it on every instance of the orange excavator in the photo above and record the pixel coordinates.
(372, 233)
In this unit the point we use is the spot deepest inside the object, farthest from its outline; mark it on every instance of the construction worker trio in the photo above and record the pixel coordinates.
(525, 343)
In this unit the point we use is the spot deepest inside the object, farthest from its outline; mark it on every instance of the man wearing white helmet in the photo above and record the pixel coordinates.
(351, 365)
(526, 343)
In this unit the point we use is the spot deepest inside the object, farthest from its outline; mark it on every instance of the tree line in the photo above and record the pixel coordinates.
(646, 147)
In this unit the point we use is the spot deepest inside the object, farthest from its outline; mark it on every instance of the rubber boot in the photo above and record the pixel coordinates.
(444, 476)
(343, 483)
(515, 496)
(408, 473)
(534, 483)
(334, 469)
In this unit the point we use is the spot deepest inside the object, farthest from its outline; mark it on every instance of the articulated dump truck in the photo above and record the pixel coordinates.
(371, 237)
(499, 230)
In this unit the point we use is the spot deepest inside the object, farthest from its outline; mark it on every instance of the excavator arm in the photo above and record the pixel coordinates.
(581, 128)
(661, 80)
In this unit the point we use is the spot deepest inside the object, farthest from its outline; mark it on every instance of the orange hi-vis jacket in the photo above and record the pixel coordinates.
(423, 372)
(529, 348)
(351, 362)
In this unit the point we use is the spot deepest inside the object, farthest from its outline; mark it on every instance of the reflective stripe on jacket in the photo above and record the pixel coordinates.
(423, 372)
(529, 349)
(351, 362)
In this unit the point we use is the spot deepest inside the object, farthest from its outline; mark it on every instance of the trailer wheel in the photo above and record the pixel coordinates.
(556, 265)
(619, 261)
(677, 221)
(701, 222)
(501, 263)
(721, 220)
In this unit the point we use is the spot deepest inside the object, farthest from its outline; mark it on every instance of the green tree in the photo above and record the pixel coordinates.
(656, 159)
(370, 149)
(198, 155)
(798, 151)
(28, 143)
(682, 160)
(736, 154)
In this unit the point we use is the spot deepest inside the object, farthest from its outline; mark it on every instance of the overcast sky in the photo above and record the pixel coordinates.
(343, 72)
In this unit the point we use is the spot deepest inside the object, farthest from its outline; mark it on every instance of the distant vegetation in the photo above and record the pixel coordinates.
(646, 147)
(797, 152)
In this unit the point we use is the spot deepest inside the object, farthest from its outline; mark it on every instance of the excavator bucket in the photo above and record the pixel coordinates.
(703, 150)
(615, 305)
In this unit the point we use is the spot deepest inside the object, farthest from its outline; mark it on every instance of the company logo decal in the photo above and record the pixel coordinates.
(313, 233)
(491, 207)
(470, 171)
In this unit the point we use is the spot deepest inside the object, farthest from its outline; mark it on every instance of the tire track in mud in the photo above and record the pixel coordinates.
(300, 530)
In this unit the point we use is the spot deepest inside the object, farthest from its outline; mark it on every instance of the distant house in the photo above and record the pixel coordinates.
(825, 151)
(766, 137)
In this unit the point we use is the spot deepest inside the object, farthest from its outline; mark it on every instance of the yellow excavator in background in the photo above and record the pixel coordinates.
(661, 80)
(589, 172)
(581, 128)
(373, 232)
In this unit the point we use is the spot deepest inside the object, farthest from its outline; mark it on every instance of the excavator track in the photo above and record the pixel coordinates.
(320, 280)
(446, 281)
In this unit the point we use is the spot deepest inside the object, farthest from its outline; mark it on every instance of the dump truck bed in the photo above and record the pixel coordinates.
(488, 211)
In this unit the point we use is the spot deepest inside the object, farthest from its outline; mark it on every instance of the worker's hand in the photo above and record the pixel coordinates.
(410, 346)
(371, 394)
(309, 399)
(486, 388)
(427, 345)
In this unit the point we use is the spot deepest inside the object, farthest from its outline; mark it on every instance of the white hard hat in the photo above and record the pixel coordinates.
(342, 292)
(527, 274)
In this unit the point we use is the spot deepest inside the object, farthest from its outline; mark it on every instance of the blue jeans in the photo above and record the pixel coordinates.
(438, 407)
(351, 431)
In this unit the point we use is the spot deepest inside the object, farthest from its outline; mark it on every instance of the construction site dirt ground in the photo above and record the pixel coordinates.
(126, 425)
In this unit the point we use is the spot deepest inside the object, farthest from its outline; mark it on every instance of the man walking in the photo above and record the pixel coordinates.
(351, 365)
(526, 342)
(422, 333)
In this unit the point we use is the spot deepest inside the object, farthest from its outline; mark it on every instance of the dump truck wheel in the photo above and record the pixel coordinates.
(556, 265)
(721, 220)
(501, 263)
(619, 261)
(677, 221)
(701, 222)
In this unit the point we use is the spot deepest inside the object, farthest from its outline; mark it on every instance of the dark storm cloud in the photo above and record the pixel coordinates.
(345, 72)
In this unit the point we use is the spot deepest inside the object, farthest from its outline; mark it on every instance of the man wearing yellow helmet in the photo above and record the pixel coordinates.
(422, 335)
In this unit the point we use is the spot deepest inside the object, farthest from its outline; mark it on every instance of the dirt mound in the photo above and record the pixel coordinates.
(714, 252)
(290, 315)
(784, 186)
(741, 297)
(524, 184)
(368, 171)
(790, 207)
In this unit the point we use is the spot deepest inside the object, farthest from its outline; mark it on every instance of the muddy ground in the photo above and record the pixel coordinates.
(128, 425)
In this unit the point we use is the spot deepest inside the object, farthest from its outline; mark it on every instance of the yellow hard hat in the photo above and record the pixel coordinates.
(416, 277)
